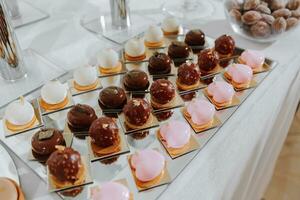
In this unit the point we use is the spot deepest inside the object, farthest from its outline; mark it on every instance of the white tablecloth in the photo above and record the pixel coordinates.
(238, 162)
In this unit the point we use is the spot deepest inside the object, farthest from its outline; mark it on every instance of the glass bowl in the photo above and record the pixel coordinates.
(263, 20)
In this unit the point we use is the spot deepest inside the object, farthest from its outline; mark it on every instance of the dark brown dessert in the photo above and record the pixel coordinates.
(109, 160)
(159, 63)
(188, 96)
(104, 132)
(195, 38)
(178, 50)
(224, 45)
(112, 97)
(136, 80)
(208, 60)
(44, 141)
(136, 112)
(72, 192)
(162, 91)
(80, 118)
(188, 76)
(139, 135)
(162, 116)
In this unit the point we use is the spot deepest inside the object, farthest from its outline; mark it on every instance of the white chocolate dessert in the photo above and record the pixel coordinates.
(135, 50)
(154, 37)
(85, 78)
(170, 26)
(108, 60)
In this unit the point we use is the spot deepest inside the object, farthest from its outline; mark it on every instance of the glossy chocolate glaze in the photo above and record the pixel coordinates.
(104, 132)
(195, 38)
(112, 97)
(162, 91)
(225, 45)
(162, 116)
(208, 59)
(178, 50)
(159, 63)
(136, 80)
(137, 111)
(188, 74)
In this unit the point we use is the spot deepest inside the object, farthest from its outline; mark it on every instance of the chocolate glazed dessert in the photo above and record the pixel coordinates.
(188, 75)
(179, 52)
(162, 91)
(80, 118)
(195, 39)
(225, 46)
(159, 63)
(137, 112)
(136, 80)
(44, 143)
(208, 60)
(112, 97)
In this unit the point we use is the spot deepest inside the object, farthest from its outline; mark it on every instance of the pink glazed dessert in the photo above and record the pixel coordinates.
(221, 93)
(176, 134)
(110, 191)
(252, 58)
(201, 113)
(148, 167)
(240, 75)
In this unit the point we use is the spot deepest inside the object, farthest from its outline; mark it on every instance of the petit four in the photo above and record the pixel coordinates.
(225, 46)
(159, 63)
(176, 134)
(178, 50)
(112, 97)
(137, 113)
(153, 37)
(162, 93)
(136, 80)
(80, 117)
(252, 58)
(85, 78)
(10, 190)
(19, 115)
(54, 96)
(200, 112)
(170, 26)
(148, 167)
(135, 50)
(105, 138)
(110, 191)
(240, 75)
(221, 93)
(208, 61)
(188, 76)
(66, 168)
(44, 142)
(108, 61)
(195, 38)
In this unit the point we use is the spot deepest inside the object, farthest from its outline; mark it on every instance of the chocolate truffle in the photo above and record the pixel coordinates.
(225, 45)
(80, 118)
(178, 50)
(162, 91)
(208, 59)
(188, 74)
(112, 97)
(137, 111)
(44, 141)
(159, 63)
(104, 132)
(195, 38)
(64, 165)
(136, 80)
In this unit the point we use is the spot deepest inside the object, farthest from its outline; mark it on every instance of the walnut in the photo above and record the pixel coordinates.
(235, 14)
(234, 4)
(291, 22)
(268, 18)
(263, 9)
(263, 3)
(293, 4)
(251, 4)
(279, 25)
(296, 13)
(283, 12)
(276, 4)
(260, 29)
(251, 17)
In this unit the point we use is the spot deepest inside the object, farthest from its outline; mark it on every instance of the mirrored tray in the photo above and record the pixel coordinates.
(117, 168)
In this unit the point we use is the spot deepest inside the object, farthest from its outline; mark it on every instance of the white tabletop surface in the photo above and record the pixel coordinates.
(238, 162)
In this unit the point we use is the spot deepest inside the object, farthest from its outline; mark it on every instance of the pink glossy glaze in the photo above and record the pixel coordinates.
(201, 111)
(110, 191)
(252, 58)
(148, 164)
(240, 73)
(176, 133)
(220, 91)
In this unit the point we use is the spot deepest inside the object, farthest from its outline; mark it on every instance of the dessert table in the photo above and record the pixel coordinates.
(238, 162)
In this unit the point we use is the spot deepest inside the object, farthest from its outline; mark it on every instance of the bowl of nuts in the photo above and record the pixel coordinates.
(263, 20)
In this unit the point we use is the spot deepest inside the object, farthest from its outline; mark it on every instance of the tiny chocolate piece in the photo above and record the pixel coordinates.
(225, 45)
(44, 141)
(178, 50)
(65, 164)
(80, 118)
(208, 60)
(195, 38)
(162, 116)
(112, 97)
(162, 91)
(137, 111)
(136, 80)
(159, 63)
(188, 74)
(104, 132)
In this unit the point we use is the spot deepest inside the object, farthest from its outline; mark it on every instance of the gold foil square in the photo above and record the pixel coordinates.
(76, 92)
(201, 85)
(234, 102)
(252, 84)
(122, 71)
(177, 103)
